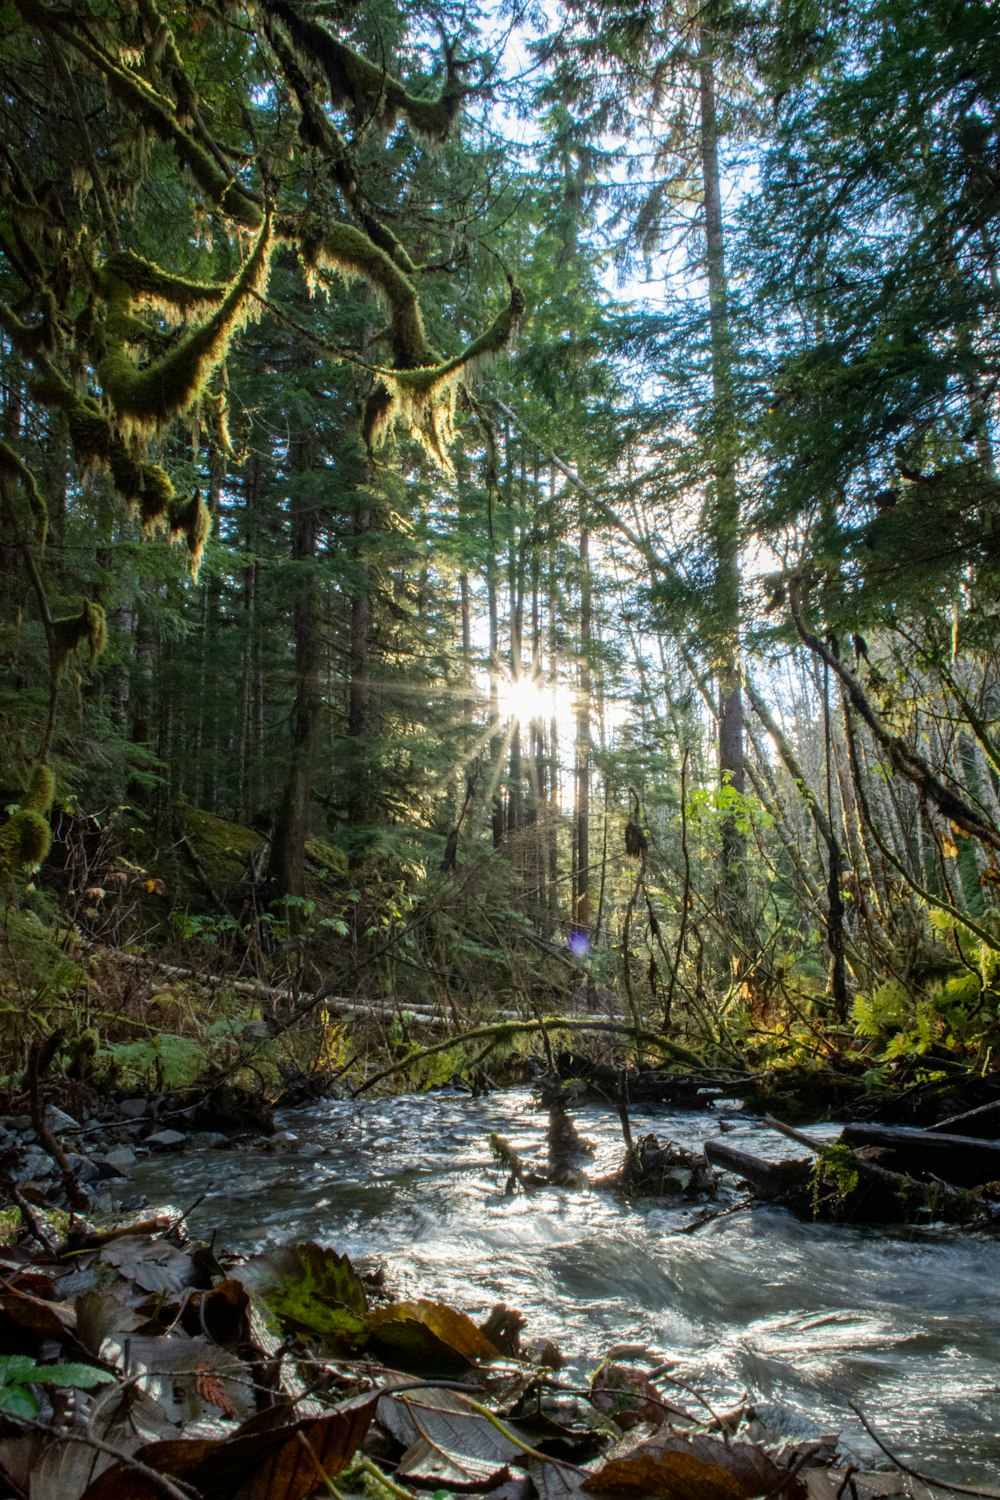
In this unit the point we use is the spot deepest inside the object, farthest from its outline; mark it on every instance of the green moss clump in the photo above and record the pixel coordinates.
(223, 848)
(327, 857)
(834, 1179)
(26, 837)
(24, 842)
(41, 789)
(89, 627)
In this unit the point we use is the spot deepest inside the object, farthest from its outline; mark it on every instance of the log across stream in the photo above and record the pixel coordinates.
(805, 1317)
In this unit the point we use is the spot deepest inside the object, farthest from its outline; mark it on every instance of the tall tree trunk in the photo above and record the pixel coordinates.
(581, 825)
(724, 520)
(358, 802)
(286, 867)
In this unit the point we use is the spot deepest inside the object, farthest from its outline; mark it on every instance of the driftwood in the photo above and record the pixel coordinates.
(775, 1181)
(969, 1116)
(964, 1160)
(843, 1184)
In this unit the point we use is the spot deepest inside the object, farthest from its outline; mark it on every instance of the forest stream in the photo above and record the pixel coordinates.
(802, 1317)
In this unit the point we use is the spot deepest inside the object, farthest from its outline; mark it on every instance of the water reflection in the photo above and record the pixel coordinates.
(802, 1317)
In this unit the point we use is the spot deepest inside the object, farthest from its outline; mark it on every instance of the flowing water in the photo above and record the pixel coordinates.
(802, 1317)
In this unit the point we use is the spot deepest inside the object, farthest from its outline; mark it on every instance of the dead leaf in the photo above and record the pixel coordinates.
(101, 1315)
(430, 1464)
(154, 1265)
(423, 1334)
(30, 1319)
(672, 1466)
(556, 1481)
(629, 1397)
(285, 1463)
(222, 1313)
(446, 1420)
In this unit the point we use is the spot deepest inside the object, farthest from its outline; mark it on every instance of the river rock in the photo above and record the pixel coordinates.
(284, 1140)
(120, 1156)
(209, 1140)
(83, 1169)
(133, 1109)
(57, 1119)
(165, 1140)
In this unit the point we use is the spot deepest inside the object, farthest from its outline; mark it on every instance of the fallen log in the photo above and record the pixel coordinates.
(843, 1186)
(964, 1160)
(775, 1181)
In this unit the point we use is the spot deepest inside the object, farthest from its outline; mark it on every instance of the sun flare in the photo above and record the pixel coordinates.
(526, 699)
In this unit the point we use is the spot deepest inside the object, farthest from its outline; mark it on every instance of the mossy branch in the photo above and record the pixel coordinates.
(369, 91)
(89, 628)
(503, 1031)
(145, 487)
(319, 131)
(26, 837)
(145, 401)
(424, 398)
(156, 112)
(144, 281)
(12, 466)
(353, 254)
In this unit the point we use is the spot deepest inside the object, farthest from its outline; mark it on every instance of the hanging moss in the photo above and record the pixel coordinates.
(193, 522)
(353, 255)
(157, 114)
(25, 840)
(144, 486)
(318, 131)
(89, 627)
(145, 282)
(368, 90)
(12, 467)
(424, 399)
(145, 401)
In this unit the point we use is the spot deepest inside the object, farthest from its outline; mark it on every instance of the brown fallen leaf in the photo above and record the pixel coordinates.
(629, 1397)
(423, 1334)
(284, 1463)
(673, 1466)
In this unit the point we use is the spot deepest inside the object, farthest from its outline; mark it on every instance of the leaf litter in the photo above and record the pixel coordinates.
(138, 1366)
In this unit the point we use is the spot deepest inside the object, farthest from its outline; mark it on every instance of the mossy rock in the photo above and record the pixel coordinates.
(224, 849)
(326, 858)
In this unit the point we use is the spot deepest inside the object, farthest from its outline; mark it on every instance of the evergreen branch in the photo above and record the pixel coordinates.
(156, 111)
